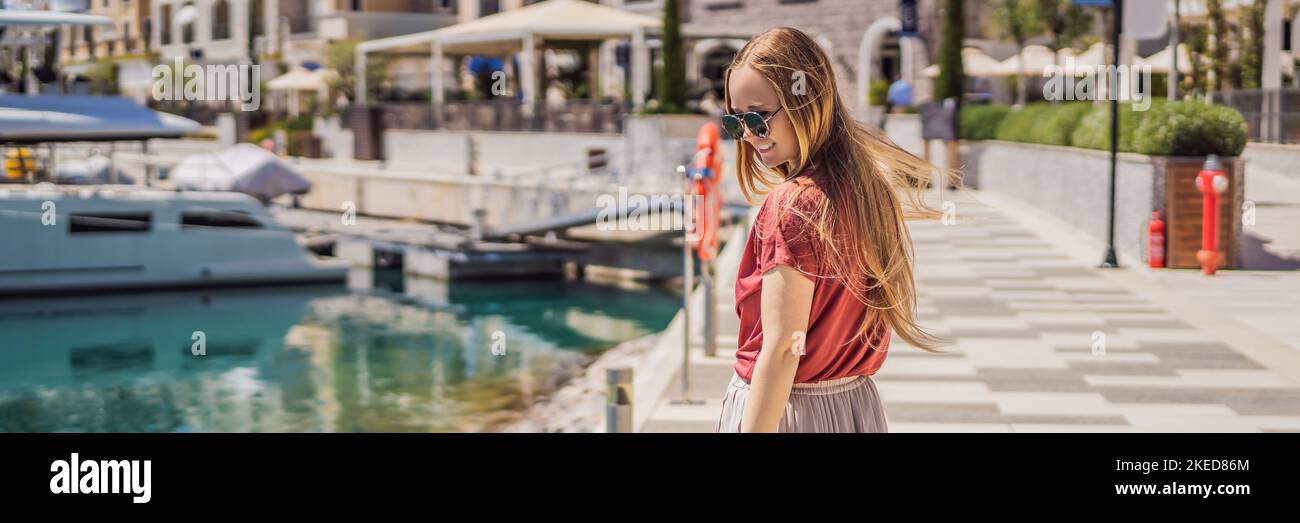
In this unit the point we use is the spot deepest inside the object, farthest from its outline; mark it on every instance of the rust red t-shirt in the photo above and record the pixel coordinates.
(784, 238)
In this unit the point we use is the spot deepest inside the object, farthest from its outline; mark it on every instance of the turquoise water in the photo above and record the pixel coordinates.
(418, 355)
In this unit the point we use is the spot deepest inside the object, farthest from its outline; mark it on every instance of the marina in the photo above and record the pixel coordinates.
(402, 354)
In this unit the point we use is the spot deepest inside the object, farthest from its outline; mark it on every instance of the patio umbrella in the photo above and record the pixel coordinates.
(244, 168)
(1037, 59)
(973, 61)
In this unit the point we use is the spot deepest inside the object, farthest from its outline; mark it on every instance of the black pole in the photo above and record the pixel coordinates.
(1110, 260)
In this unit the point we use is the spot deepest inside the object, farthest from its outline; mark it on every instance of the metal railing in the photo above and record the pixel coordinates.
(1272, 115)
(504, 115)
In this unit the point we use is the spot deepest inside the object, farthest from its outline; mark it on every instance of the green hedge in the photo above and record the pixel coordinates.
(1059, 123)
(1042, 123)
(1191, 129)
(1094, 131)
(1165, 129)
(980, 122)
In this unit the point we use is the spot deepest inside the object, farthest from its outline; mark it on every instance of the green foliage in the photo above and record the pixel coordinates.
(1191, 129)
(1015, 20)
(877, 93)
(1251, 46)
(1041, 123)
(1018, 126)
(299, 123)
(1094, 131)
(1058, 124)
(261, 133)
(980, 122)
(1064, 22)
(1164, 129)
(951, 80)
(341, 57)
(1218, 25)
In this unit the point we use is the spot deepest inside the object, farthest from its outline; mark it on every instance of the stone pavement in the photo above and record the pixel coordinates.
(1042, 341)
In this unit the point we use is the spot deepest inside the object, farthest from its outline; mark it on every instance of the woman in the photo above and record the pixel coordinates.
(826, 275)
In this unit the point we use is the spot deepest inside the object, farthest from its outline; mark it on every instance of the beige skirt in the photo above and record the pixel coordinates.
(841, 405)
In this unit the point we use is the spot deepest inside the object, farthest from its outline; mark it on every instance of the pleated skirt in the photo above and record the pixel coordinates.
(842, 405)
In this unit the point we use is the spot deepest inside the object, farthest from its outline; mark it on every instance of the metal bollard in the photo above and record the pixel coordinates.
(618, 399)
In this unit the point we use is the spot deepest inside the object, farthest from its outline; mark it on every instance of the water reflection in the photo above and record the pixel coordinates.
(413, 355)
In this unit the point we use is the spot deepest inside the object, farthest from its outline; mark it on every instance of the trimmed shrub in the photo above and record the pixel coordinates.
(1056, 126)
(1093, 132)
(1191, 129)
(980, 122)
(1018, 126)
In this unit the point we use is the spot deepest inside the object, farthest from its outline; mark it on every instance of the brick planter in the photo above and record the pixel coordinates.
(1179, 201)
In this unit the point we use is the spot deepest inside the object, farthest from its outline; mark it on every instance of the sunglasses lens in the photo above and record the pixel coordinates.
(732, 126)
(756, 124)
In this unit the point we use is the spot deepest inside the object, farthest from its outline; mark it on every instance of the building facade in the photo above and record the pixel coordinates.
(294, 31)
(128, 36)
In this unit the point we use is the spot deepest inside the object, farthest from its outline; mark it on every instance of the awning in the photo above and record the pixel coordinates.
(58, 118)
(302, 79)
(502, 33)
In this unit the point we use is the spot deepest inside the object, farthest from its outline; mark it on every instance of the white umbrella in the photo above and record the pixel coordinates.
(244, 168)
(1037, 59)
(974, 62)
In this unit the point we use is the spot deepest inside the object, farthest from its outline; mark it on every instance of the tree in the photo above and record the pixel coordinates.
(1063, 21)
(1218, 48)
(672, 83)
(1017, 20)
(949, 84)
(1251, 45)
(1197, 41)
(342, 57)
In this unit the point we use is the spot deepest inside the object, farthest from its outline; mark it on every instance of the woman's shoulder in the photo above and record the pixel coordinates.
(803, 191)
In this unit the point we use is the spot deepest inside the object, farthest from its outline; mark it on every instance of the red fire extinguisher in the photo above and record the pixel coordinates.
(1156, 241)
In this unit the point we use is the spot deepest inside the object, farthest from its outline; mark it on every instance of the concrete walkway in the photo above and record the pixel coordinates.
(1042, 341)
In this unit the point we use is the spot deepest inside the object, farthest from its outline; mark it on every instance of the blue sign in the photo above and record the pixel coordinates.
(907, 15)
(1093, 3)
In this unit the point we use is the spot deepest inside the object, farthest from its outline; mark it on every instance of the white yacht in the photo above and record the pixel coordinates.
(74, 239)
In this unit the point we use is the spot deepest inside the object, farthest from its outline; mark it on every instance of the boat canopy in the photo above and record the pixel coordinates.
(242, 167)
(60, 118)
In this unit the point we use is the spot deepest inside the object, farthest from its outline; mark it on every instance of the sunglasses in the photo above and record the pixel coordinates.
(756, 122)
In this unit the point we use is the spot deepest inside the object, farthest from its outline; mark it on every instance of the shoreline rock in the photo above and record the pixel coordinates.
(579, 406)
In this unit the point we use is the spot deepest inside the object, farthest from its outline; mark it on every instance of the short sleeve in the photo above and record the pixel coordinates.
(786, 231)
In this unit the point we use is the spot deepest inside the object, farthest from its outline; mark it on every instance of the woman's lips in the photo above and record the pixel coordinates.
(764, 149)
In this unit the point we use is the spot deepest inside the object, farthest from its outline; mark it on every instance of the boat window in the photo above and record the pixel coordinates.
(110, 222)
(219, 219)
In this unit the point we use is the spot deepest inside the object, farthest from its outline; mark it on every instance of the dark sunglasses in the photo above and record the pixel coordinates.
(756, 122)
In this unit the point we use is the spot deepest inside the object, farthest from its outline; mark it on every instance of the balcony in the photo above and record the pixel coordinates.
(369, 25)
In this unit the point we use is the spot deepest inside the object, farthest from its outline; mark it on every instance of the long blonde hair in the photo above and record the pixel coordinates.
(860, 223)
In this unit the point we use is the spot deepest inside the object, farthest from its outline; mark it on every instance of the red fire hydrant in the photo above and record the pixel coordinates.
(1212, 182)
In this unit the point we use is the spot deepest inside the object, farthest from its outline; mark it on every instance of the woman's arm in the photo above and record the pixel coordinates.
(786, 302)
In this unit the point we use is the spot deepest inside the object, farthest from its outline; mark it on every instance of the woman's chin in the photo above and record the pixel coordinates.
(772, 162)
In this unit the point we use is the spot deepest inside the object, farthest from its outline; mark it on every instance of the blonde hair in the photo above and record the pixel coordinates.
(860, 223)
